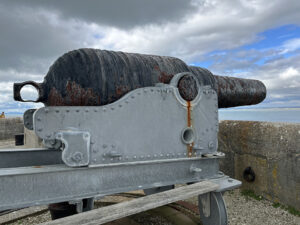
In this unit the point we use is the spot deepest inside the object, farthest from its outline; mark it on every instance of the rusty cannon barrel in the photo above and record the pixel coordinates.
(92, 77)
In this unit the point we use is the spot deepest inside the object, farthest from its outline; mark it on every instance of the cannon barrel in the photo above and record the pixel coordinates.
(91, 77)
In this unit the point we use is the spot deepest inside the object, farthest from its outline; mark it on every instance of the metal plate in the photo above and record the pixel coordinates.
(146, 124)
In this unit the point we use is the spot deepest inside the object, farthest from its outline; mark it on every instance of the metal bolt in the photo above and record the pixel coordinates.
(104, 109)
(95, 110)
(86, 110)
(77, 110)
(46, 110)
(126, 101)
(57, 111)
(112, 108)
(77, 157)
(67, 110)
(134, 157)
(132, 96)
(120, 105)
(40, 129)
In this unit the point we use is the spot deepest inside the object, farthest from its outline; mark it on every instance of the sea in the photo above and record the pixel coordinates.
(289, 115)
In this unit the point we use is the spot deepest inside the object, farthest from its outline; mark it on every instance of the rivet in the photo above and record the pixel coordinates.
(57, 111)
(112, 108)
(67, 110)
(104, 109)
(103, 159)
(86, 110)
(127, 157)
(77, 110)
(132, 96)
(95, 160)
(168, 155)
(40, 129)
(120, 105)
(139, 93)
(155, 155)
(161, 155)
(120, 158)
(145, 90)
(151, 90)
(127, 101)
(184, 154)
(111, 159)
(48, 135)
(95, 110)
(27, 123)
(178, 154)
(141, 156)
(94, 150)
(148, 156)
(46, 110)
(134, 157)
(104, 146)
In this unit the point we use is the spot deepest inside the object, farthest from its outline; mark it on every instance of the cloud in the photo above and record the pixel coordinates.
(35, 33)
(291, 45)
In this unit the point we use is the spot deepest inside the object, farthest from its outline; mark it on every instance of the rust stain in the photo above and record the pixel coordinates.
(163, 77)
(189, 124)
(37, 166)
(75, 96)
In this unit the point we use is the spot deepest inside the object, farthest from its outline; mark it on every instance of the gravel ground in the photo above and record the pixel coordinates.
(244, 210)
(241, 211)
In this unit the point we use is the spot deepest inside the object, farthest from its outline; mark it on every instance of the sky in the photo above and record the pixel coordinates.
(242, 38)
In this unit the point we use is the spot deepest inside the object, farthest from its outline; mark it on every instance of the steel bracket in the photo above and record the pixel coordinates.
(76, 147)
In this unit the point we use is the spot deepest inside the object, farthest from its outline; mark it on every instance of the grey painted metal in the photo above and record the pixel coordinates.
(10, 158)
(76, 147)
(212, 209)
(28, 118)
(147, 123)
(127, 208)
(27, 186)
(151, 191)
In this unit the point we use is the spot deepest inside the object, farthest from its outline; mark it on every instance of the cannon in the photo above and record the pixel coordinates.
(116, 122)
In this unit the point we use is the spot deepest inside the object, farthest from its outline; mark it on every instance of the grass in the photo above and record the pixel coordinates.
(290, 209)
(251, 194)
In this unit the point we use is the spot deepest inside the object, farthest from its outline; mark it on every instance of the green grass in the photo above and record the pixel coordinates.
(251, 194)
(290, 209)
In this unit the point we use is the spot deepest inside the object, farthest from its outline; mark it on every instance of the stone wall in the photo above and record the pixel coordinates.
(272, 150)
(9, 127)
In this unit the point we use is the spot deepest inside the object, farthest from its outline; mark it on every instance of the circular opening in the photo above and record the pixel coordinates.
(188, 135)
(188, 88)
(29, 93)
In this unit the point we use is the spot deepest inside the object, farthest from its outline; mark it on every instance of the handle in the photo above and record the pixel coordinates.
(19, 86)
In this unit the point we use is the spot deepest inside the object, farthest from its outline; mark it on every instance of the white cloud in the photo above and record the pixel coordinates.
(291, 45)
(34, 34)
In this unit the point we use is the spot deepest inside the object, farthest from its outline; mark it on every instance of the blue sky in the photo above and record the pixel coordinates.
(249, 39)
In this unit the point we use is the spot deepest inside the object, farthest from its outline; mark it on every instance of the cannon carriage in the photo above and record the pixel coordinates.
(116, 122)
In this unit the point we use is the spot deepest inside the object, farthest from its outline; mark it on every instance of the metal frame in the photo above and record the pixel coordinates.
(149, 139)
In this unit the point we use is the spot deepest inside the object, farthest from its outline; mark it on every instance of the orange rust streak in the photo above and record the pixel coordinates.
(189, 124)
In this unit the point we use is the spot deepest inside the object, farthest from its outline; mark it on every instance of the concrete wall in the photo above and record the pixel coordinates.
(272, 150)
(9, 127)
